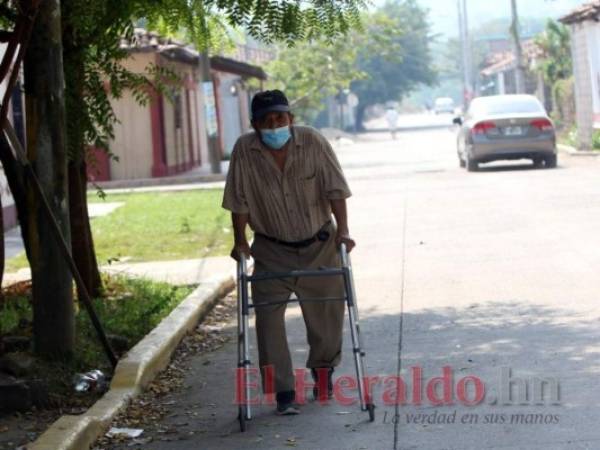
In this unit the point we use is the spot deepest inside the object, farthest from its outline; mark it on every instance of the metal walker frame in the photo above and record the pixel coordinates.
(243, 311)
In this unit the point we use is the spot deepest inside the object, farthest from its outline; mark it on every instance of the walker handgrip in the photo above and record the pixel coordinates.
(344, 255)
(242, 265)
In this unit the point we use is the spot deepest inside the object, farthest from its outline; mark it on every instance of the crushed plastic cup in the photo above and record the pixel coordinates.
(92, 381)
(125, 432)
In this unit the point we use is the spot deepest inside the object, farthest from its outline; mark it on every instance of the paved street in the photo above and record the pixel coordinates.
(500, 271)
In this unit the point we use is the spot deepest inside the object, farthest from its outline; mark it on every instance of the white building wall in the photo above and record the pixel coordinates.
(593, 42)
(230, 113)
(583, 84)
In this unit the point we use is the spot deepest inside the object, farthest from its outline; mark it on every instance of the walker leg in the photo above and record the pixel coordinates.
(366, 402)
(244, 410)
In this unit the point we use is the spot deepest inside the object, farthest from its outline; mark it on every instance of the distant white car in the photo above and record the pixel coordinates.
(443, 105)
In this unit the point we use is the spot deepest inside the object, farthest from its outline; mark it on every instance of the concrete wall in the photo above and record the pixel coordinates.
(593, 41)
(583, 84)
(133, 140)
(185, 143)
(229, 110)
(178, 138)
(133, 134)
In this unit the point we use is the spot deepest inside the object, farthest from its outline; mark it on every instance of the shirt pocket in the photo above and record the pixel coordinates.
(307, 184)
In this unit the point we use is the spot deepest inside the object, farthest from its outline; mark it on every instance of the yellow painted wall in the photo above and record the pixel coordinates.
(133, 140)
(133, 135)
(177, 140)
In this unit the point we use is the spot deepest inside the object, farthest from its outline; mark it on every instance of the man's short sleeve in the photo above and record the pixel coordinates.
(333, 181)
(234, 198)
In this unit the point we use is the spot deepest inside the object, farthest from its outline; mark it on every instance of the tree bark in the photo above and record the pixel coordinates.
(360, 117)
(81, 234)
(82, 242)
(53, 312)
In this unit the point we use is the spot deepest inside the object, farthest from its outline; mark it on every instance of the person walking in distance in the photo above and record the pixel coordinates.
(391, 115)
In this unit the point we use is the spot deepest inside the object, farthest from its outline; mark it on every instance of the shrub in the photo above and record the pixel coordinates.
(596, 140)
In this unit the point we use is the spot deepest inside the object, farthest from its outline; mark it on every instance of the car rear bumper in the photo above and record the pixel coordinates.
(531, 148)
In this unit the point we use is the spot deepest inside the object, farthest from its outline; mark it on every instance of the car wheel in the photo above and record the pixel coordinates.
(550, 161)
(472, 165)
(462, 163)
(537, 162)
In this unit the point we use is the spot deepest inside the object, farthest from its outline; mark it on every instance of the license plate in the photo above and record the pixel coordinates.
(513, 131)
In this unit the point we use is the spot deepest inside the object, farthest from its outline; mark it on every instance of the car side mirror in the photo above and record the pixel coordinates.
(457, 121)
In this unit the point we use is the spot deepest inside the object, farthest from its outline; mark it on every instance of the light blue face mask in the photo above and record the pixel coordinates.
(276, 138)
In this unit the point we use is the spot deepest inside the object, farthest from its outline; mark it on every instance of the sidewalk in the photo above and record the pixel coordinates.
(194, 176)
(181, 272)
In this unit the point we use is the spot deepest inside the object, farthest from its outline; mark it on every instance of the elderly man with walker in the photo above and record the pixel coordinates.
(285, 182)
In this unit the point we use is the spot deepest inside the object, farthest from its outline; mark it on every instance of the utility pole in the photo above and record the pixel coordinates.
(463, 25)
(214, 152)
(518, 51)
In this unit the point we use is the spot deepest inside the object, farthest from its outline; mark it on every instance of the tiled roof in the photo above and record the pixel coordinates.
(587, 11)
(503, 61)
(149, 41)
(222, 64)
(145, 41)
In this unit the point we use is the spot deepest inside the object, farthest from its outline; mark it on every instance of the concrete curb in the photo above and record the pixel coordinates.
(151, 355)
(572, 151)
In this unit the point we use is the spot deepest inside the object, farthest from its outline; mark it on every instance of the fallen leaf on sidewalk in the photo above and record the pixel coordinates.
(148, 411)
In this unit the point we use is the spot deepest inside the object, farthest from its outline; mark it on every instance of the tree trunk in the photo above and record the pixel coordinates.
(82, 243)
(360, 116)
(81, 234)
(53, 312)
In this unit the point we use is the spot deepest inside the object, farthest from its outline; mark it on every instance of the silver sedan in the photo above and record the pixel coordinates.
(504, 127)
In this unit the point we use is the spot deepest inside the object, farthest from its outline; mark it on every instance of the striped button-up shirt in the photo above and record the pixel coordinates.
(290, 205)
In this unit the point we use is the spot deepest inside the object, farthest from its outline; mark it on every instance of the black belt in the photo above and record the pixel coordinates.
(321, 235)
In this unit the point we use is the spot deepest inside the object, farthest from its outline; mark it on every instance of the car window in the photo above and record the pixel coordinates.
(505, 105)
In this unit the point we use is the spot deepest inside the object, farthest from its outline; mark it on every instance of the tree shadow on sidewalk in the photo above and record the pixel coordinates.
(531, 340)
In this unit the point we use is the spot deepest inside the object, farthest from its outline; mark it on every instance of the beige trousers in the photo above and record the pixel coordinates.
(324, 320)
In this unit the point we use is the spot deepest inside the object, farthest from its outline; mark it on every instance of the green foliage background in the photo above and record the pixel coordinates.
(385, 58)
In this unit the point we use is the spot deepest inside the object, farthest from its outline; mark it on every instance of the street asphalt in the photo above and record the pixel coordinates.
(491, 275)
